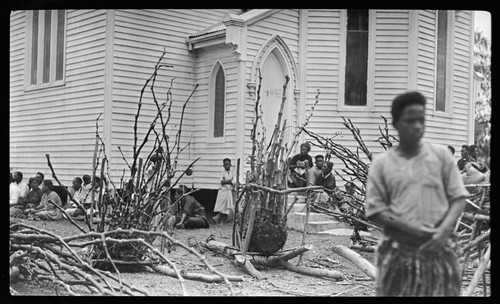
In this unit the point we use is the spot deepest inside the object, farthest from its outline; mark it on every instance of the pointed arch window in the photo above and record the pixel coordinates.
(217, 105)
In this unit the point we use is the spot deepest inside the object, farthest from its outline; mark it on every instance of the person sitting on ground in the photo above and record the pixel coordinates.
(46, 210)
(474, 174)
(326, 180)
(187, 212)
(465, 157)
(76, 189)
(40, 177)
(224, 204)
(316, 170)
(14, 191)
(86, 200)
(32, 199)
(23, 186)
(298, 167)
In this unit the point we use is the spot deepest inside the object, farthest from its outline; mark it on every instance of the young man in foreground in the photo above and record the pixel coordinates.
(415, 192)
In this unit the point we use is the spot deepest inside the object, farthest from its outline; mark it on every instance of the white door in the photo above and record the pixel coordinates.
(273, 78)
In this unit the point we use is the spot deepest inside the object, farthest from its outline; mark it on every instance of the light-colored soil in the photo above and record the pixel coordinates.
(276, 281)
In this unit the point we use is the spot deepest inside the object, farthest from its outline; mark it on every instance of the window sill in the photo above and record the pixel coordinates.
(57, 84)
(441, 114)
(216, 140)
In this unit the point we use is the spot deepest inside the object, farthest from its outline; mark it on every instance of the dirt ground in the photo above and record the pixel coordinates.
(276, 281)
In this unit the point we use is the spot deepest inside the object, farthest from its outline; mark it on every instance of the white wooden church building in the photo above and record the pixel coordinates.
(67, 67)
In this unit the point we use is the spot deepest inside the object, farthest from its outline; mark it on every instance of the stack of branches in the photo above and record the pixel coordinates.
(259, 229)
(128, 217)
(355, 171)
(472, 229)
(473, 236)
(262, 226)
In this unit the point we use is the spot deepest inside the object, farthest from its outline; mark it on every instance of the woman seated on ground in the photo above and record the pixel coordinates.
(46, 210)
(299, 164)
(31, 201)
(187, 212)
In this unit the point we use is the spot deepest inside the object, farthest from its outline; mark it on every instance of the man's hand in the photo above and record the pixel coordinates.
(437, 241)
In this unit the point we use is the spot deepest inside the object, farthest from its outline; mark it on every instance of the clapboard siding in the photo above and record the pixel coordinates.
(213, 152)
(284, 23)
(322, 67)
(63, 112)
(140, 37)
(67, 114)
(451, 129)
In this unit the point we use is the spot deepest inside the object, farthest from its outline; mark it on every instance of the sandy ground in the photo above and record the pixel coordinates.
(276, 281)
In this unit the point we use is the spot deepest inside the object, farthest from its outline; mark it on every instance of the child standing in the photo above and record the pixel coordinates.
(224, 204)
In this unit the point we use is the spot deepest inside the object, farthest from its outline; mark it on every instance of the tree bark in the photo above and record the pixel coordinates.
(242, 261)
(195, 276)
(334, 274)
(356, 259)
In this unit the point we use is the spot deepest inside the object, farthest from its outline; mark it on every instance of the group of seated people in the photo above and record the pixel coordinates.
(473, 170)
(37, 199)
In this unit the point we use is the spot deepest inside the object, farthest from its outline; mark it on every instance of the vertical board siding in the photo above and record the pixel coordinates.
(140, 37)
(60, 121)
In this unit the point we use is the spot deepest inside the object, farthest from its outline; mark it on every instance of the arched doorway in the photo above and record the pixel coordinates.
(273, 73)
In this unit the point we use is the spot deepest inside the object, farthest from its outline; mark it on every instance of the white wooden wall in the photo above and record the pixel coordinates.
(139, 40)
(58, 121)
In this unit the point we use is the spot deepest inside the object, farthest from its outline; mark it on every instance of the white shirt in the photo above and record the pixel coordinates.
(24, 188)
(226, 175)
(14, 193)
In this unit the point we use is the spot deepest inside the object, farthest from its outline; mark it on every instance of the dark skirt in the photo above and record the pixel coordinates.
(404, 270)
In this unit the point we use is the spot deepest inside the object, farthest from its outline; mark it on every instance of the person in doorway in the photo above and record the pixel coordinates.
(415, 193)
(299, 164)
(224, 204)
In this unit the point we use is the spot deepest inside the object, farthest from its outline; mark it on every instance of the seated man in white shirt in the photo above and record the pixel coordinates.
(14, 191)
(23, 186)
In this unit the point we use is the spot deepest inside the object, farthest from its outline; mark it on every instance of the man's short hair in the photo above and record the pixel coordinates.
(48, 183)
(226, 159)
(18, 176)
(319, 156)
(329, 164)
(404, 100)
(40, 173)
(307, 145)
(78, 180)
(87, 178)
(31, 179)
(466, 147)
